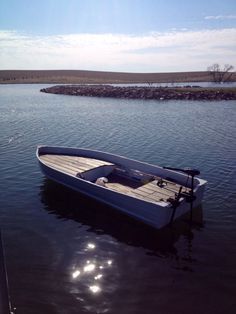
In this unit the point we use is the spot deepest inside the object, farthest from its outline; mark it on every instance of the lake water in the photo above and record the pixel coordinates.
(67, 254)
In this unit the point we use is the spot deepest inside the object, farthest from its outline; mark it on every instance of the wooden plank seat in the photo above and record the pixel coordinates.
(72, 164)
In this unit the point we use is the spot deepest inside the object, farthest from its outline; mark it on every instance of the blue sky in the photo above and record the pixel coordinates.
(117, 35)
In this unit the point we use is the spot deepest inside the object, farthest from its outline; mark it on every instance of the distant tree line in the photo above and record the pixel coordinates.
(221, 74)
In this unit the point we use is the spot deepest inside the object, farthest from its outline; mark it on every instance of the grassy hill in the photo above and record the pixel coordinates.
(93, 77)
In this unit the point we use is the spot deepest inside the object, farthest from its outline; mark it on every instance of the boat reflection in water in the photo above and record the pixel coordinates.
(99, 246)
(102, 219)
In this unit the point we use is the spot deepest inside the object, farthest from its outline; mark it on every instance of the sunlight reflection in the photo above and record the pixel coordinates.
(99, 276)
(95, 289)
(92, 270)
(75, 274)
(91, 246)
(89, 268)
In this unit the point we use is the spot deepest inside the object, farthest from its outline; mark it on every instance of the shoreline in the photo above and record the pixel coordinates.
(157, 93)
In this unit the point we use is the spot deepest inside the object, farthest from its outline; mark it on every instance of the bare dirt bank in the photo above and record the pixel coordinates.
(164, 93)
(98, 77)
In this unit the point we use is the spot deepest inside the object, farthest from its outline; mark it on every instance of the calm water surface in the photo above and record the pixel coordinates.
(67, 254)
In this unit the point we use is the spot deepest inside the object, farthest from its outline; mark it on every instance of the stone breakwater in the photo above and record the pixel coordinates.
(158, 93)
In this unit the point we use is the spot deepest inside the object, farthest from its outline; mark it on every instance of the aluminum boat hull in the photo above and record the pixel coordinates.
(155, 214)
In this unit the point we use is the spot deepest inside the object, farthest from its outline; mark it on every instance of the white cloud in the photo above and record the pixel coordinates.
(170, 51)
(220, 17)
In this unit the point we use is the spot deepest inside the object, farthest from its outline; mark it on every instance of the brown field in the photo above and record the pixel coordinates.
(98, 77)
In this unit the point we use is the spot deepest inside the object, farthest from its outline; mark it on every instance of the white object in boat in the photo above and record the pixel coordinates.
(102, 181)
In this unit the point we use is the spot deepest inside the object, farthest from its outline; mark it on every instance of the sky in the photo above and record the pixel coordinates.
(117, 35)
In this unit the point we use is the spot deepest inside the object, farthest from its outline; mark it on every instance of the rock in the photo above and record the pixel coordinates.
(143, 92)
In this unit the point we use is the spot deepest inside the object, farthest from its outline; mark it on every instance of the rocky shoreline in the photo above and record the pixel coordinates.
(158, 93)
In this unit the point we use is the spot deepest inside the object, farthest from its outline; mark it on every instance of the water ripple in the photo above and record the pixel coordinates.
(57, 240)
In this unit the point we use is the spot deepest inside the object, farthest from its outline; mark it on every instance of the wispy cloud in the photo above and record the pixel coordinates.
(168, 51)
(220, 17)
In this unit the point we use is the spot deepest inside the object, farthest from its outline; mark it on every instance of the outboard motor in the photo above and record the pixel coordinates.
(189, 196)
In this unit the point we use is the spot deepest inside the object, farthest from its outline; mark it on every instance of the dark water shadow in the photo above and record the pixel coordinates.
(101, 219)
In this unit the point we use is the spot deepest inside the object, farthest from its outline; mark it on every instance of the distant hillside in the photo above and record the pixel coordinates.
(93, 77)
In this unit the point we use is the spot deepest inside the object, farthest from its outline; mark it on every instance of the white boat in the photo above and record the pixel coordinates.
(152, 194)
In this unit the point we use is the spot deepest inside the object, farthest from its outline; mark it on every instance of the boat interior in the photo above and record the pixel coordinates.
(116, 177)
